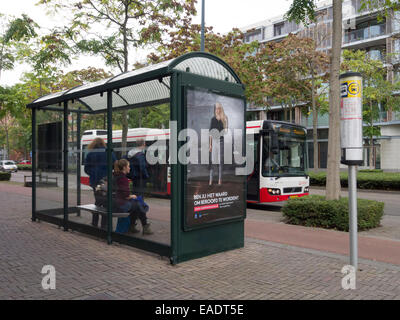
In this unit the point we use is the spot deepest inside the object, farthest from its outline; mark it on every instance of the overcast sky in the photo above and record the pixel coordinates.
(223, 15)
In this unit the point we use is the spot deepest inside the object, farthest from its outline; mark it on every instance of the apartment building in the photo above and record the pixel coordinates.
(361, 30)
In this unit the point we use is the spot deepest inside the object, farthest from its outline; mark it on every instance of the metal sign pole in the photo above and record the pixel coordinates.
(351, 141)
(353, 216)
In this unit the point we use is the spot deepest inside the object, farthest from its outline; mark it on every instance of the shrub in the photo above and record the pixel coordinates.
(5, 176)
(24, 167)
(315, 211)
(365, 180)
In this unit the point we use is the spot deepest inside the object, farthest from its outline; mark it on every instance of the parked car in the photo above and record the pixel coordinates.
(25, 162)
(8, 166)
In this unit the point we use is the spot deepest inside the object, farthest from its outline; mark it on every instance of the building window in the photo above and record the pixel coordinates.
(278, 29)
(254, 36)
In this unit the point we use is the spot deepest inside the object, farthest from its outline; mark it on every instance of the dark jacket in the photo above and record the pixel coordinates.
(122, 189)
(121, 184)
(138, 166)
(95, 165)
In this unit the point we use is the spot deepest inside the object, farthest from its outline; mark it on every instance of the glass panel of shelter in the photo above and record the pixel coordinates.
(148, 174)
(49, 163)
(147, 125)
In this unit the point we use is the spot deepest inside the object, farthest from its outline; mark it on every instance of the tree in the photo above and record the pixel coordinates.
(12, 108)
(317, 64)
(13, 33)
(302, 11)
(284, 72)
(80, 77)
(116, 27)
(230, 47)
(384, 6)
(376, 91)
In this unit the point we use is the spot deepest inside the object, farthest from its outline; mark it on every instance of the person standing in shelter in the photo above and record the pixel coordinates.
(129, 202)
(218, 127)
(95, 166)
(138, 172)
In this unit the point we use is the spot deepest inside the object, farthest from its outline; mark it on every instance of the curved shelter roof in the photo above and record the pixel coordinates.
(146, 86)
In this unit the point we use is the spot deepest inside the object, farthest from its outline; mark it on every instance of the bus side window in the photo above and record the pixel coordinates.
(255, 148)
(117, 149)
(84, 153)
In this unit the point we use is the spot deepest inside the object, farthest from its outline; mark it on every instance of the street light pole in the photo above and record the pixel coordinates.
(202, 25)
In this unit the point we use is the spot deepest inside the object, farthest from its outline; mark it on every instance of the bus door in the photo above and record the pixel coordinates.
(253, 179)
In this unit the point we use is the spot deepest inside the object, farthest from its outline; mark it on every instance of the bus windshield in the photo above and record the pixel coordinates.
(286, 156)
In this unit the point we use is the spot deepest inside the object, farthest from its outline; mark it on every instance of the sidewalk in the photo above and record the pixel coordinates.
(88, 267)
(324, 240)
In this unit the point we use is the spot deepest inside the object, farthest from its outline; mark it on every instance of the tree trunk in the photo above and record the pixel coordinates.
(126, 64)
(1, 59)
(333, 170)
(371, 152)
(315, 125)
(7, 141)
(371, 139)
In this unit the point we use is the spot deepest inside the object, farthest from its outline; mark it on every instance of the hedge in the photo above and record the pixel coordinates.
(24, 167)
(5, 176)
(315, 211)
(365, 180)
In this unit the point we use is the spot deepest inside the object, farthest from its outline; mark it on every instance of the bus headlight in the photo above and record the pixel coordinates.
(274, 192)
(307, 189)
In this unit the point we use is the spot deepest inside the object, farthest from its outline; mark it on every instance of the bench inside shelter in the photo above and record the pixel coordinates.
(92, 208)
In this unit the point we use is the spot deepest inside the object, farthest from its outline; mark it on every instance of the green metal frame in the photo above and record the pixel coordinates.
(185, 243)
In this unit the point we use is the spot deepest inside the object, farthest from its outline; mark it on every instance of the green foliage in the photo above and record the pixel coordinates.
(14, 119)
(294, 71)
(376, 89)
(13, 33)
(316, 211)
(52, 50)
(230, 47)
(384, 7)
(128, 25)
(371, 170)
(302, 11)
(21, 29)
(374, 179)
(5, 176)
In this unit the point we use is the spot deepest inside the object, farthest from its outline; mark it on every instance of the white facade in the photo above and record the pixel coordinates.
(390, 147)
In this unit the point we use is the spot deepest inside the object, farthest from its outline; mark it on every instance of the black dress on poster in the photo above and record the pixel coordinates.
(216, 159)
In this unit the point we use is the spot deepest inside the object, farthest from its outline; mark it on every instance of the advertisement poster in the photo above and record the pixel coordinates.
(214, 191)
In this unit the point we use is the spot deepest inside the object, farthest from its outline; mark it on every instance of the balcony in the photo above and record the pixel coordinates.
(384, 116)
(365, 33)
(323, 120)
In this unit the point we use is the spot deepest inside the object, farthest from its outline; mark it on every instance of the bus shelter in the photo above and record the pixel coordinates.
(196, 198)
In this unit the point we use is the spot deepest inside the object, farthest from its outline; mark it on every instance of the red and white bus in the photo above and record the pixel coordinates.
(280, 166)
(280, 159)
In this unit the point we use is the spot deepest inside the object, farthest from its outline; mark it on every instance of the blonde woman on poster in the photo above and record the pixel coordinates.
(220, 123)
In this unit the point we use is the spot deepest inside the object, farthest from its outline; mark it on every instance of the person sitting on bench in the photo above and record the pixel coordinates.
(95, 166)
(129, 202)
